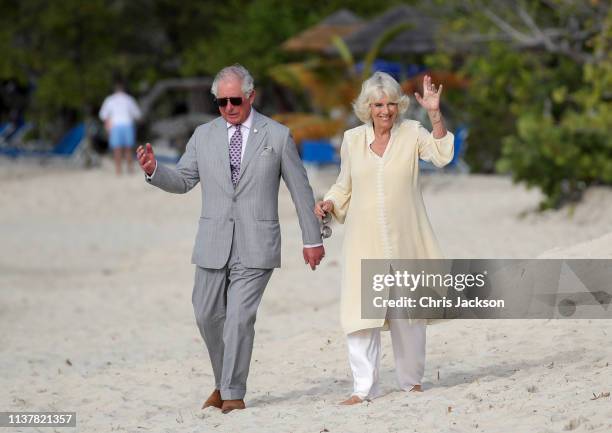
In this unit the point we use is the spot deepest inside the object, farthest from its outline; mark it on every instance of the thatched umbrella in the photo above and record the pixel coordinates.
(318, 38)
(420, 38)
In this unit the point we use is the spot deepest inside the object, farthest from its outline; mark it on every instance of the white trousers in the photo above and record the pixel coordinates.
(408, 341)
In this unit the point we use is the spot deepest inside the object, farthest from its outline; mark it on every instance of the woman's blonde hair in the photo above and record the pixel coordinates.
(375, 88)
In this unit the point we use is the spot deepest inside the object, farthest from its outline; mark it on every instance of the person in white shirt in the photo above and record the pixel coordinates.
(119, 113)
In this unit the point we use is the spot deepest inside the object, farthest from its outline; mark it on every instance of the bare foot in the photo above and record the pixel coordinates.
(416, 388)
(353, 400)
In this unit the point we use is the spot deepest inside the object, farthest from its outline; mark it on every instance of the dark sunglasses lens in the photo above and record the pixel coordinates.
(326, 232)
(235, 100)
(327, 218)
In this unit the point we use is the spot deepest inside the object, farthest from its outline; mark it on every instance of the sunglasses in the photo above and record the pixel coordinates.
(235, 100)
(326, 230)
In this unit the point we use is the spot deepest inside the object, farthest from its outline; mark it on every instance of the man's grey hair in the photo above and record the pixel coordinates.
(235, 71)
(375, 88)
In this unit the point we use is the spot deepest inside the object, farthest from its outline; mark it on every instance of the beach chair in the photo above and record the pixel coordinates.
(13, 132)
(319, 152)
(315, 155)
(65, 148)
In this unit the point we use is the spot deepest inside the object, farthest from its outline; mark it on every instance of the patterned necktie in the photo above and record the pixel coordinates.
(235, 153)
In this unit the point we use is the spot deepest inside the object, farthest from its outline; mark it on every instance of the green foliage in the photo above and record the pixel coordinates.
(566, 151)
(559, 159)
(69, 50)
(542, 115)
(251, 32)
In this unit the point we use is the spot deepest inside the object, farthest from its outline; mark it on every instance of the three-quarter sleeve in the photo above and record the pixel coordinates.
(437, 150)
(340, 192)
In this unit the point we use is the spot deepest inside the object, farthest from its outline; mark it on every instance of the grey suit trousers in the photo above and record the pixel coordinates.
(225, 303)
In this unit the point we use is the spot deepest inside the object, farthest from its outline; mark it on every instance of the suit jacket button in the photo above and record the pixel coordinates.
(234, 199)
(231, 220)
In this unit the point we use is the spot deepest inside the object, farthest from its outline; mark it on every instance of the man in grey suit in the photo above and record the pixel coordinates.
(238, 159)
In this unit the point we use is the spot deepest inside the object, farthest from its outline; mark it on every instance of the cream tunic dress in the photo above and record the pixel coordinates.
(379, 201)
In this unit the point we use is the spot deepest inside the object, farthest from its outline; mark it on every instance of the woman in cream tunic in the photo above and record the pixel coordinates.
(377, 197)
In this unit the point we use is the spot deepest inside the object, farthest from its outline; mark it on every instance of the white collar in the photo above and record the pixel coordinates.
(247, 123)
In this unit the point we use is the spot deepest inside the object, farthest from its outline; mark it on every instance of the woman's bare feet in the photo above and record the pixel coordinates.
(416, 388)
(353, 400)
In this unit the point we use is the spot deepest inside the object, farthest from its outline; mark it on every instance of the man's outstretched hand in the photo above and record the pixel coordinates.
(146, 159)
(313, 256)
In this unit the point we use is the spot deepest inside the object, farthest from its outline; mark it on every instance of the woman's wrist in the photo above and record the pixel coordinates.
(434, 115)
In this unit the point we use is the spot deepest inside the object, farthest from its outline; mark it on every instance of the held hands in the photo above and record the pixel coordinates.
(314, 255)
(431, 97)
(146, 159)
(323, 206)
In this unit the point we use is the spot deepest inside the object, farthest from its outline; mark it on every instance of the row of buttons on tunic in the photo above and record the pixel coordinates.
(382, 214)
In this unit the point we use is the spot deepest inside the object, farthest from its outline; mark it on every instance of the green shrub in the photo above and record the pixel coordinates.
(561, 161)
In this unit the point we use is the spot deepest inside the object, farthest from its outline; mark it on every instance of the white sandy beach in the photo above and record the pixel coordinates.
(96, 317)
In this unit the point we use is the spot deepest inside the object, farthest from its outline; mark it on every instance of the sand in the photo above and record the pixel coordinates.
(96, 317)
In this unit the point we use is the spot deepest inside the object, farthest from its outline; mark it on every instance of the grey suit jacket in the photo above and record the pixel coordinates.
(250, 211)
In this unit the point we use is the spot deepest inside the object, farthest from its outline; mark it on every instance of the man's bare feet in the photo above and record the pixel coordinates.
(350, 401)
(416, 388)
